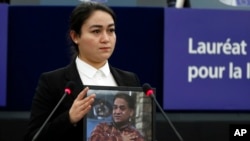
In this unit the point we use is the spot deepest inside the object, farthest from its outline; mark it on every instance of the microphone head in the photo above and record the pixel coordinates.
(69, 87)
(147, 89)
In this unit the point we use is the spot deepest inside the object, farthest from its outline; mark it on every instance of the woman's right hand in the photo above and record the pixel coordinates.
(81, 106)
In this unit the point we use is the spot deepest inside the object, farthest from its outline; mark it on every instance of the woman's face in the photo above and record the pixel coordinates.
(97, 40)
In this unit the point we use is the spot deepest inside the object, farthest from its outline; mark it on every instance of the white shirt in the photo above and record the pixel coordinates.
(91, 76)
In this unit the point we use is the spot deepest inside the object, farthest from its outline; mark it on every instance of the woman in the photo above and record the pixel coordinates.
(92, 32)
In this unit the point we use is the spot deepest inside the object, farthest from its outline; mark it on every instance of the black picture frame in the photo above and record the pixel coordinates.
(144, 116)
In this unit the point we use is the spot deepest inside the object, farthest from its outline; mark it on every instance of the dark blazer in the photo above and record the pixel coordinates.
(49, 91)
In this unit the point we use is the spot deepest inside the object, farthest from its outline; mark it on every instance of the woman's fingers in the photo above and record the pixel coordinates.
(81, 106)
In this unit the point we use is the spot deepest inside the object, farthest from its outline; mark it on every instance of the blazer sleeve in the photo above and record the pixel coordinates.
(49, 91)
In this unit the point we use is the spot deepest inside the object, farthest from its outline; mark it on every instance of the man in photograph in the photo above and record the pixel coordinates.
(120, 129)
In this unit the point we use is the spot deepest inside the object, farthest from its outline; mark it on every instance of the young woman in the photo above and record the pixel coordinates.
(92, 32)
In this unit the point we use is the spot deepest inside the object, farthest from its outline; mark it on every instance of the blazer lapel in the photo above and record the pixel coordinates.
(73, 75)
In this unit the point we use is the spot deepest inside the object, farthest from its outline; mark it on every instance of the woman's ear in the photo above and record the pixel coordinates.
(74, 36)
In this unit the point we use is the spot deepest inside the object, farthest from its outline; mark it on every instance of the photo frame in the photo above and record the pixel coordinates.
(143, 119)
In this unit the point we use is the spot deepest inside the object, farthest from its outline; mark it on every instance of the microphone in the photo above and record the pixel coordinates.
(147, 89)
(67, 91)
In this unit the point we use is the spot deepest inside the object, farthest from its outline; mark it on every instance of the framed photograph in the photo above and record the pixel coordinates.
(120, 113)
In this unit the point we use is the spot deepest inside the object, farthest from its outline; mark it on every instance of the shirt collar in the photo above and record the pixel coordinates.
(89, 70)
(105, 69)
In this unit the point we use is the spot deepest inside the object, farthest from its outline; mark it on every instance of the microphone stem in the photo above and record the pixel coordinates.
(166, 117)
(41, 128)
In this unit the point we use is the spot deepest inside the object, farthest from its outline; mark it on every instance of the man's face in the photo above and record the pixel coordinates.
(121, 111)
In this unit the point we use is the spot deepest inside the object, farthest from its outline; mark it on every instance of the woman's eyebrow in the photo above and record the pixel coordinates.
(100, 26)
